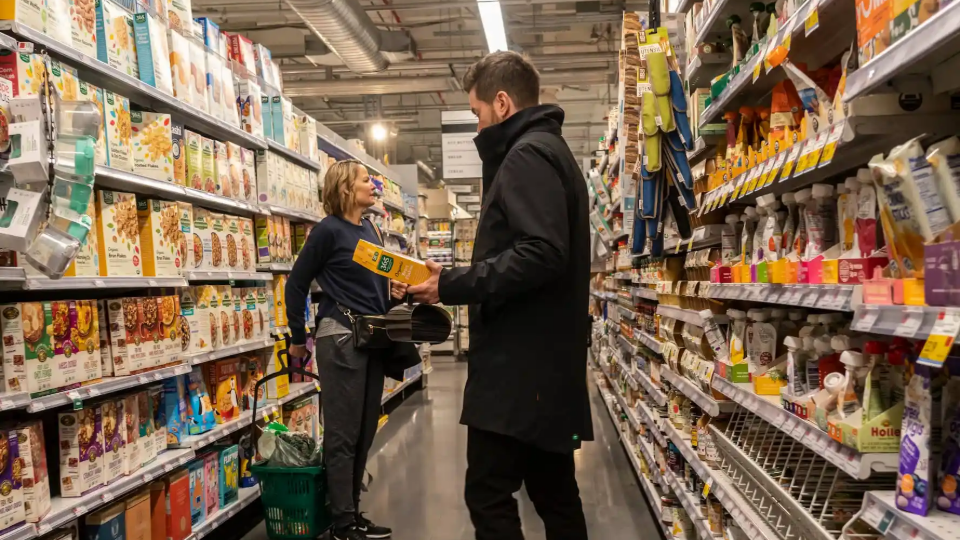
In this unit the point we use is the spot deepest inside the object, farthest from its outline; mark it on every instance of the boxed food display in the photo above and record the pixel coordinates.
(223, 382)
(31, 14)
(249, 175)
(212, 293)
(298, 415)
(178, 153)
(263, 320)
(150, 334)
(214, 84)
(874, 21)
(153, 52)
(247, 245)
(191, 321)
(178, 488)
(81, 447)
(229, 465)
(87, 261)
(248, 314)
(193, 149)
(308, 137)
(130, 350)
(118, 234)
(263, 230)
(116, 118)
(175, 408)
(218, 244)
(106, 523)
(202, 239)
(137, 516)
(179, 15)
(36, 479)
(180, 67)
(233, 236)
(12, 512)
(83, 27)
(200, 415)
(111, 34)
(160, 237)
(152, 145)
(131, 423)
(89, 92)
(229, 99)
(277, 387)
(266, 114)
(223, 170)
(266, 174)
(86, 313)
(387, 263)
(148, 448)
(186, 236)
(23, 70)
(241, 49)
(234, 167)
(247, 455)
(158, 511)
(208, 166)
(197, 507)
(249, 101)
(198, 74)
(170, 328)
(211, 482)
(155, 395)
(236, 294)
(106, 355)
(27, 342)
(114, 433)
(252, 373)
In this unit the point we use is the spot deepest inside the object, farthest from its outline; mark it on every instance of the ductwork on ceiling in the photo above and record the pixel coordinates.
(348, 32)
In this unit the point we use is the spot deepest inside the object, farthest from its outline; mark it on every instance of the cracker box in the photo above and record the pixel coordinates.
(130, 349)
(137, 516)
(170, 328)
(175, 408)
(106, 523)
(180, 67)
(249, 101)
(106, 355)
(233, 235)
(155, 394)
(111, 28)
(152, 145)
(193, 150)
(35, 478)
(198, 76)
(178, 153)
(392, 265)
(223, 170)
(27, 345)
(197, 507)
(227, 336)
(211, 483)
(229, 465)
(114, 438)
(83, 27)
(178, 505)
(118, 234)
(12, 511)
(153, 51)
(200, 415)
(202, 239)
(131, 424)
(81, 449)
(223, 382)
(208, 166)
(148, 448)
(248, 174)
(116, 118)
(160, 237)
(234, 167)
(150, 334)
(158, 511)
(87, 261)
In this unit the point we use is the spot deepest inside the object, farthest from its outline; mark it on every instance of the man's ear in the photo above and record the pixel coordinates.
(503, 104)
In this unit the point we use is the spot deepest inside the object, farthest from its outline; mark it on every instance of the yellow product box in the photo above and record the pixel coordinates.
(160, 237)
(389, 264)
(768, 384)
(279, 302)
(193, 150)
(277, 387)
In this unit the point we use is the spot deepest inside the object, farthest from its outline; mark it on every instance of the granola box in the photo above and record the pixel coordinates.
(118, 234)
(116, 119)
(150, 333)
(152, 145)
(236, 294)
(218, 242)
(208, 166)
(27, 345)
(65, 371)
(87, 318)
(12, 511)
(202, 239)
(223, 170)
(228, 86)
(158, 417)
(178, 153)
(193, 150)
(130, 349)
(234, 168)
(160, 237)
(81, 450)
(35, 475)
(83, 27)
(225, 312)
(187, 247)
(106, 355)
(170, 328)
(233, 234)
(131, 425)
(148, 450)
(248, 175)
(111, 30)
(114, 434)
(223, 382)
(247, 244)
(198, 76)
(196, 319)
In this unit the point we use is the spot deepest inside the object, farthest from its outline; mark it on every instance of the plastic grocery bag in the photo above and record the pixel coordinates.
(284, 448)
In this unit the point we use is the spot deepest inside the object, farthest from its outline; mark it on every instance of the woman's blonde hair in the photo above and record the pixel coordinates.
(338, 194)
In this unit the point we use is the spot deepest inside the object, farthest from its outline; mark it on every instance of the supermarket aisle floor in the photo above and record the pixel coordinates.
(419, 458)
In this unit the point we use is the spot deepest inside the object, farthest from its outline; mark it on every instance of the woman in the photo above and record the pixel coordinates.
(352, 379)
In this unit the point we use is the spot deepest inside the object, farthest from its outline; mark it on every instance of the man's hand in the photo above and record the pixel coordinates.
(297, 351)
(398, 289)
(428, 292)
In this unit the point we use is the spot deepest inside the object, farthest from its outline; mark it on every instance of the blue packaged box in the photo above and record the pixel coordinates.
(153, 52)
(197, 508)
(228, 458)
(200, 417)
(276, 116)
(247, 455)
(175, 409)
(209, 33)
(106, 524)
(266, 113)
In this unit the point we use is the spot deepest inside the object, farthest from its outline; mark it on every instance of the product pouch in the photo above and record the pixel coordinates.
(651, 152)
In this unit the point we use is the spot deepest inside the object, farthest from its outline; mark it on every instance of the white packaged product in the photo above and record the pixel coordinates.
(800, 238)
(944, 158)
(820, 214)
(729, 243)
(746, 235)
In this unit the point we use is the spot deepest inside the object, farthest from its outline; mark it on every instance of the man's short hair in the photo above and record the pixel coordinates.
(506, 71)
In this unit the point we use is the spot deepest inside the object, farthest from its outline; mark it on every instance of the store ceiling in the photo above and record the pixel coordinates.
(426, 46)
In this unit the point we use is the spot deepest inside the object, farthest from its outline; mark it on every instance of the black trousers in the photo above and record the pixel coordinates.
(497, 465)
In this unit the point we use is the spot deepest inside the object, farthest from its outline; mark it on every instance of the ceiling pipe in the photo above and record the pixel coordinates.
(344, 27)
(443, 63)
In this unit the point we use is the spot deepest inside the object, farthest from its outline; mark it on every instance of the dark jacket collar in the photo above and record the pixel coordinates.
(495, 141)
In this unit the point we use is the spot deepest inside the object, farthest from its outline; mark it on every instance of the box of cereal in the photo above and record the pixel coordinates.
(114, 433)
(81, 449)
(36, 479)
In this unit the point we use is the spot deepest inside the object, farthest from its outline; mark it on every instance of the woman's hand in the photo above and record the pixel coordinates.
(398, 289)
(297, 351)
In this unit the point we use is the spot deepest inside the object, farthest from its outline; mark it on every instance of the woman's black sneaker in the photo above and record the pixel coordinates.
(370, 529)
(352, 532)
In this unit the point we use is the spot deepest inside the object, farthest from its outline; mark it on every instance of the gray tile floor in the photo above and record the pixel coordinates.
(419, 458)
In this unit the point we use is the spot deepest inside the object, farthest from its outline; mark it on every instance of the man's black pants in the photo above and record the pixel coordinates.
(497, 465)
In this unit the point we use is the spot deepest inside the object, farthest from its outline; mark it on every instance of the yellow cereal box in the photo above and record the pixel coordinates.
(160, 237)
(390, 264)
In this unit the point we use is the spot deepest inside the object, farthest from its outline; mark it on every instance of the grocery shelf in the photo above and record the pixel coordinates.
(934, 42)
(200, 358)
(690, 316)
(714, 23)
(392, 205)
(827, 296)
(399, 389)
(628, 345)
(710, 406)
(34, 283)
(107, 386)
(691, 505)
(703, 147)
(339, 148)
(704, 67)
(395, 234)
(100, 74)
(627, 313)
(649, 341)
(702, 237)
(277, 268)
(653, 422)
(682, 442)
(65, 509)
(293, 156)
(880, 512)
(212, 521)
(631, 414)
(654, 392)
(644, 292)
(222, 430)
(227, 276)
(847, 459)
(23, 532)
(298, 215)
(905, 321)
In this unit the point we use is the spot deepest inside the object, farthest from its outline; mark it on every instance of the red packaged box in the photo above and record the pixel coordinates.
(178, 505)
(158, 511)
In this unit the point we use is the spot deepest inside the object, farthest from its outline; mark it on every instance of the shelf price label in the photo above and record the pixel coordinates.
(912, 319)
(866, 317)
(738, 184)
(812, 22)
(941, 339)
(756, 70)
(833, 140)
(791, 160)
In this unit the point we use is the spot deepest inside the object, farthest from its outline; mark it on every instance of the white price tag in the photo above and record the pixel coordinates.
(99, 283)
(810, 299)
(910, 323)
(106, 496)
(92, 392)
(147, 477)
(38, 406)
(866, 316)
(79, 510)
(152, 283)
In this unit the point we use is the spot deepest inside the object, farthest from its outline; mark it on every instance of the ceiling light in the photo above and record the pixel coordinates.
(378, 132)
(492, 19)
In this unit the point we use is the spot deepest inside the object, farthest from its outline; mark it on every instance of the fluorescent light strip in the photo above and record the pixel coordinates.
(492, 19)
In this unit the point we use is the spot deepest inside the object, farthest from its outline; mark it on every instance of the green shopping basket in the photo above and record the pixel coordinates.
(294, 501)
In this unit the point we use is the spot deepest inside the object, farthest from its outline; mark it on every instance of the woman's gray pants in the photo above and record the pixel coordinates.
(351, 383)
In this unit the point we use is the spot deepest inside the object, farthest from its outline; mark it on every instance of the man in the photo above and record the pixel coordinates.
(525, 402)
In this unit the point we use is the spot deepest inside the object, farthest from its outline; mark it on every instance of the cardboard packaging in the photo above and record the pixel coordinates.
(223, 382)
(12, 512)
(180, 67)
(229, 466)
(35, 476)
(200, 415)
(137, 516)
(153, 51)
(178, 505)
(158, 511)
(152, 145)
(106, 523)
(211, 482)
(160, 237)
(116, 118)
(114, 433)
(197, 507)
(389, 264)
(118, 234)
(193, 150)
(81, 447)
(178, 153)
(175, 409)
(131, 423)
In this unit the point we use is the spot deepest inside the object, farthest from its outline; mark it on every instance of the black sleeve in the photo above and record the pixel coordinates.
(309, 263)
(535, 203)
